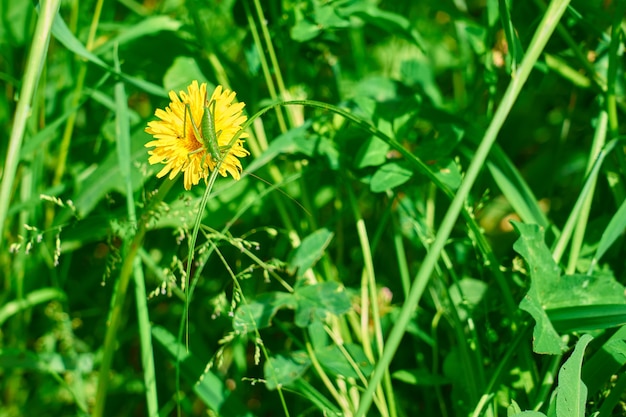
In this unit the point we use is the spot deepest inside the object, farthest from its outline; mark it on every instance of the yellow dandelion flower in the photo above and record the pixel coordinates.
(176, 144)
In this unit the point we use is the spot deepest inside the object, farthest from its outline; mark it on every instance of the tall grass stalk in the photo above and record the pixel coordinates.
(599, 139)
(369, 293)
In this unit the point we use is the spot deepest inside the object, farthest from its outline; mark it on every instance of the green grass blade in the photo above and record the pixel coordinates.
(63, 34)
(613, 231)
(515, 188)
(568, 229)
(588, 317)
(606, 361)
(42, 295)
(39, 48)
(599, 139)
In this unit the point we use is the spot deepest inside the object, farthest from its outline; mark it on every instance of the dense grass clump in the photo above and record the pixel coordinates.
(312, 208)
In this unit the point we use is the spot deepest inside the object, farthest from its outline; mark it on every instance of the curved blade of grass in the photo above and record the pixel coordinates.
(589, 317)
(613, 231)
(62, 33)
(515, 188)
(33, 298)
(34, 65)
(568, 229)
(606, 362)
(599, 139)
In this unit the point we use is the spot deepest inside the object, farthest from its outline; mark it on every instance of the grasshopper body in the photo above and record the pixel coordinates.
(205, 133)
(208, 130)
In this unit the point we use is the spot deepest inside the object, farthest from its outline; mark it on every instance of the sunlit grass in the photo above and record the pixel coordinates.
(430, 220)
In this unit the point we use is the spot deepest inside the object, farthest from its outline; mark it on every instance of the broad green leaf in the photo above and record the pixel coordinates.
(588, 317)
(326, 16)
(545, 338)
(420, 72)
(304, 30)
(372, 153)
(466, 295)
(583, 290)
(310, 250)
(333, 359)
(549, 290)
(392, 22)
(447, 171)
(513, 409)
(389, 176)
(283, 370)
(316, 302)
(528, 414)
(544, 275)
(555, 291)
(318, 336)
(571, 393)
(259, 313)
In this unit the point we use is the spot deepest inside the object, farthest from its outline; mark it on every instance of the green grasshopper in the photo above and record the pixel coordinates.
(206, 133)
(208, 136)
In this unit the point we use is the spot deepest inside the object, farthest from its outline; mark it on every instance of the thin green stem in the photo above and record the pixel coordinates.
(560, 245)
(401, 258)
(348, 409)
(77, 95)
(272, 54)
(34, 65)
(615, 61)
(599, 140)
(274, 172)
(186, 280)
(269, 81)
(370, 287)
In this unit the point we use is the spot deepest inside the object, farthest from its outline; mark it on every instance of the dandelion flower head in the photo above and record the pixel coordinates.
(176, 145)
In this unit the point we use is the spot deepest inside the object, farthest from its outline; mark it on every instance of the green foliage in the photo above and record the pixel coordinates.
(431, 221)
